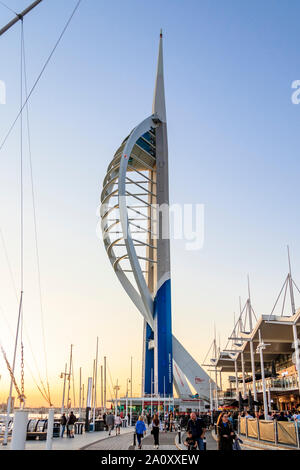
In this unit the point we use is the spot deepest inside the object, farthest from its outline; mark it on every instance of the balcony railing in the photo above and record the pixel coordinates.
(276, 384)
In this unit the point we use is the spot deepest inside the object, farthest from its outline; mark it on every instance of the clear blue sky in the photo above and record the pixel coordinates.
(234, 146)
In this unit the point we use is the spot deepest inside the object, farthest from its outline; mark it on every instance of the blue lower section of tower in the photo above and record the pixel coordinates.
(163, 328)
(149, 361)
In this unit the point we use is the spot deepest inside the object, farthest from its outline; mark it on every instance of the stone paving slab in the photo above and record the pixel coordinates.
(122, 442)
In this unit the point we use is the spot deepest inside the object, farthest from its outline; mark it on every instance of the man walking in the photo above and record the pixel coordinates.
(71, 424)
(110, 422)
(63, 422)
(197, 427)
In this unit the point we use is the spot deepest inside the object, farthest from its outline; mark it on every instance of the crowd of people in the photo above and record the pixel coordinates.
(195, 426)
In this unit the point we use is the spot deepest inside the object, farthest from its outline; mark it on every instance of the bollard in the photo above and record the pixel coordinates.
(204, 442)
(179, 436)
(19, 430)
(134, 439)
(50, 429)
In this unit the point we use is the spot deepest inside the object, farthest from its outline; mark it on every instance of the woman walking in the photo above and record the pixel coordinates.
(155, 430)
(140, 429)
(225, 432)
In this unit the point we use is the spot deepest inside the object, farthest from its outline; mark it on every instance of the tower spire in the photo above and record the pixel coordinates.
(159, 104)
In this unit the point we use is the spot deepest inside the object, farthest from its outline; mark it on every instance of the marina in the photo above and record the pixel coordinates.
(126, 339)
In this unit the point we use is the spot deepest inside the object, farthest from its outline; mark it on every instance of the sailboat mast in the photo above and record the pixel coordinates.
(19, 16)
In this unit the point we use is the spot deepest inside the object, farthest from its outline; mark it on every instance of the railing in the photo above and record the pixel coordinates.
(275, 432)
(280, 384)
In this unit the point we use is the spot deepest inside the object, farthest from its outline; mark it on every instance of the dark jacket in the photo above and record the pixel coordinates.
(196, 427)
(63, 420)
(225, 443)
(72, 419)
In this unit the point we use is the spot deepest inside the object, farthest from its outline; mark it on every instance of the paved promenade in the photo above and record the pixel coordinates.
(80, 441)
(125, 442)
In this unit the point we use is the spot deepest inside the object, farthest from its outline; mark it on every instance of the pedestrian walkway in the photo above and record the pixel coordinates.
(166, 441)
(80, 441)
(122, 442)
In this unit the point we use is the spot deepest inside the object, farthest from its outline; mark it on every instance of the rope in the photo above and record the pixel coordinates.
(40, 74)
(44, 394)
(35, 219)
(21, 395)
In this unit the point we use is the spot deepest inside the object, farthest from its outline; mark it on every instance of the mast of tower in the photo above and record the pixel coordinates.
(163, 355)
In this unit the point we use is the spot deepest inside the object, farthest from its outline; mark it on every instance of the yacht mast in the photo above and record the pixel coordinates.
(19, 17)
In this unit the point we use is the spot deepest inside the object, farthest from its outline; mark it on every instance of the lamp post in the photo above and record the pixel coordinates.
(260, 349)
(63, 375)
(116, 389)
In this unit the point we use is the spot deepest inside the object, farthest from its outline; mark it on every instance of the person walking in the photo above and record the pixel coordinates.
(148, 419)
(171, 421)
(225, 433)
(104, 420)
(155, 430)
(63, 422)
(140, 429)
(118, 423)
(110, 422)
(71, 424)
(197, 428)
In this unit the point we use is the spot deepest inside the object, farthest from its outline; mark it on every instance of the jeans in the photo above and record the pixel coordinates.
(63, 427)
(200, 443)
(139, 438)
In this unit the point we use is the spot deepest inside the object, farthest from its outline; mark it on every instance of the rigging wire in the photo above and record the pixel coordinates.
(8, 8)
(44, 393)
(41, 73)
(35, 218)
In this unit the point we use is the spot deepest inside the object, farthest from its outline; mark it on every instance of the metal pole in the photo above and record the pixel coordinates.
(151, 392)
(116, 406)
(104, 390)
(263, 376)
(130, 417)
(216, 389)
(13, 371)
(126, 415)
(236, 379)
(19, 17)
(253, 370)
(64, 390)
(19, 430)
(82, 396)
(69, 377)
(131, 391)
(101, 369)
(50, 429)
(210, 396)
(251, 344)
(243, 373)
(95, 391)
(296, 345)
(80, 389)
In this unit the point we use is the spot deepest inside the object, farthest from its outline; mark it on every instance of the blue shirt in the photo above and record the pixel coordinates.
(140, 427)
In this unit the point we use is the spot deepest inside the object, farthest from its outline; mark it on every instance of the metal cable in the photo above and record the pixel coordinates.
(8, 8)
(35, 218)
(40, 74)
